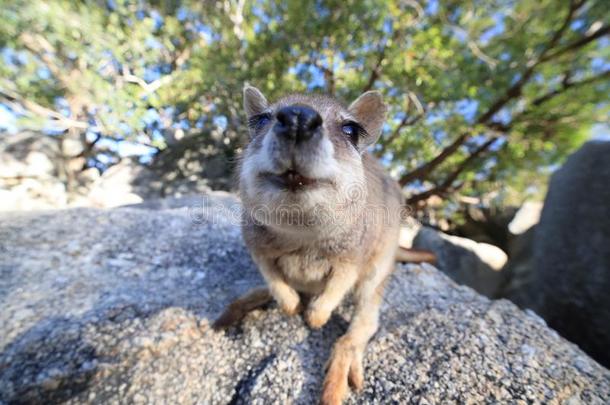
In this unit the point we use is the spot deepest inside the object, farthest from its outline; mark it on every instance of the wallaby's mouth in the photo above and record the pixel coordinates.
(293, 181)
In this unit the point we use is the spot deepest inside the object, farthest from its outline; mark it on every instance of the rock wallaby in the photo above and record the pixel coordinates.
(321, 218)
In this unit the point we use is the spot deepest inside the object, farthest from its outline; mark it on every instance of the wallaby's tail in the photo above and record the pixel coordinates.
(414, 255)
(238, 309)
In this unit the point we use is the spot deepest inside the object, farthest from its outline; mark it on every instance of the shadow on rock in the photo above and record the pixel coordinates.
(50, 363)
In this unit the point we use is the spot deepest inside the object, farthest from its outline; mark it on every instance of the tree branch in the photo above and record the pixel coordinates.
(516, 89)
(89, 147)
(375, 72)
(37, 109)
(579, 43)
(566, 85)
(147, 88)
(329, 74)
(425, 169)
(441, 188)
(475, 48)
(41, 48)
(512, 92)
(406, 120)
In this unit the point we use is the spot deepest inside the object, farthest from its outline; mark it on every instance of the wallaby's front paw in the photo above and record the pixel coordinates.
(290, 303)
(317, 316)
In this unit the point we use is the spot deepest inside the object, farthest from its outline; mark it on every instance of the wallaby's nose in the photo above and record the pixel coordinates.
(297, 122)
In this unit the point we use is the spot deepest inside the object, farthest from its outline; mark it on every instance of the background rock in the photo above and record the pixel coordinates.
(526, 217)
(126, 182)
(518, 271)
(114, 306)
(194, 165)
(28, 155)
(477, 265)
(29, 175)
(571, 267)
(486, 223)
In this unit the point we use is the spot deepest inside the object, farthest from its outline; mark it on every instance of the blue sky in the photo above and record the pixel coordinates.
(312, 75)
(8, 122)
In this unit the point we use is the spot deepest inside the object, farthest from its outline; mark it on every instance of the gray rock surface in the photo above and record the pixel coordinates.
(29, 173)
(115, 306)
(477, 265)
(570, 283)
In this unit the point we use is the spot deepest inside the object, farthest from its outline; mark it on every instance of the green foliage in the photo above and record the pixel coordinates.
(484, 96)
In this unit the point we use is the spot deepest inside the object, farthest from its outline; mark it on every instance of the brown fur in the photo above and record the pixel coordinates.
(301, 255)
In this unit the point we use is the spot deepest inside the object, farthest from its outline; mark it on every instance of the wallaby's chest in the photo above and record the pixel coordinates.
(305, 271)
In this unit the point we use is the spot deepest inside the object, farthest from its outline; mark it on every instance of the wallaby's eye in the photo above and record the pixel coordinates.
(349, 130)
(259, 121)
(353, 130)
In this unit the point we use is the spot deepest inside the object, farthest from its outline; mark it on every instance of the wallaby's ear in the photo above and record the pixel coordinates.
(369, 110)
(254, 101)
